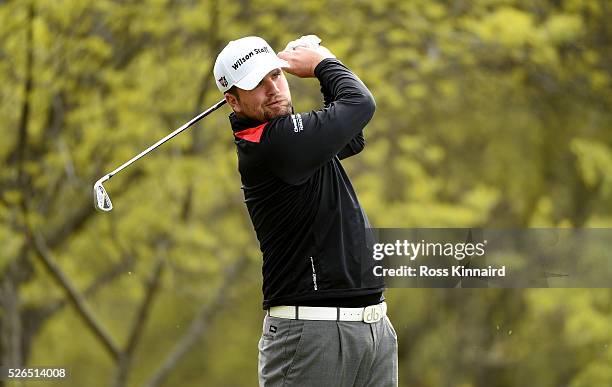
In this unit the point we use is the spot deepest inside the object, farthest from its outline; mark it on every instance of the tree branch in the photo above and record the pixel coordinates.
(11, 326)
(79, 217)
(125, 359)
(196, 141)
(74, 296)
(214, 44)
(198, 325)
(34, 317)
(24, 117)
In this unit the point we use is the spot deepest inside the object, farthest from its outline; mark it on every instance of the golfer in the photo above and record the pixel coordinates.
(326, 322)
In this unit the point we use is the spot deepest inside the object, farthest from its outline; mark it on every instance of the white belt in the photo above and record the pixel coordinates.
(368, 314)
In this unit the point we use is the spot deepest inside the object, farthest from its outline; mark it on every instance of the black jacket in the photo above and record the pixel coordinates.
(311, 228)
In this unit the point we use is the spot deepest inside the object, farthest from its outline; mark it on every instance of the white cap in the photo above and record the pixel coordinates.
(244, 62)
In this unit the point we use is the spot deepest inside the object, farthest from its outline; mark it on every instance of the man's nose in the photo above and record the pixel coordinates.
(271, 87)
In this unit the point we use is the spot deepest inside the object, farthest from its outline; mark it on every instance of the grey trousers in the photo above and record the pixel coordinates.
(327, 353)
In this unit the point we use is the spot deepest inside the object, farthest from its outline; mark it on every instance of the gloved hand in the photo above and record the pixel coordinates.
(303, 55)
(310, 41)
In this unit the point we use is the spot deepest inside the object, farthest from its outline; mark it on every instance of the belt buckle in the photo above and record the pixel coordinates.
(372, 313)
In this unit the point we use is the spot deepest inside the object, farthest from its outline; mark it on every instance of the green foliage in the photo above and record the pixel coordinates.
(489, 113)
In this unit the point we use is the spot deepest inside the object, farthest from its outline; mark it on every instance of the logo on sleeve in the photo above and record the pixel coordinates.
(298, 126)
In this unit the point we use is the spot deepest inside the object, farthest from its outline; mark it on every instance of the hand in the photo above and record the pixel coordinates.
(310, 41)
(303, 60)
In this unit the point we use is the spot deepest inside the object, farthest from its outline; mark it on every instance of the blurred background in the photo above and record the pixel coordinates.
(492, 113)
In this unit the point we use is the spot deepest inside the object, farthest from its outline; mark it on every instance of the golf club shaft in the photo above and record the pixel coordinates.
(168, 137)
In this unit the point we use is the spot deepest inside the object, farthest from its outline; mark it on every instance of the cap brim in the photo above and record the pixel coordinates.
(251, 80)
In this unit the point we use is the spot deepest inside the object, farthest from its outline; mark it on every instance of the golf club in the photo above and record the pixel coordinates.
(102, 201)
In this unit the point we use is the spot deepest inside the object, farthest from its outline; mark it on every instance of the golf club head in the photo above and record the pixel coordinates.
(101, 199)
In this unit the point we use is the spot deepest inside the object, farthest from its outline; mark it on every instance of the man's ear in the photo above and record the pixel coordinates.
(233, 102)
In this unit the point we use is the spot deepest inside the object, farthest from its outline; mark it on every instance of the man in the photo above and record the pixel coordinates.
(326, 322)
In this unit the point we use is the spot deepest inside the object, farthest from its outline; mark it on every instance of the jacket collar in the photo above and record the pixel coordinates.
(240, 124)
(246, 129)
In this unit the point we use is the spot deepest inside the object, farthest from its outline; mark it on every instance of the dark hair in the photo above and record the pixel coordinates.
(234, 91)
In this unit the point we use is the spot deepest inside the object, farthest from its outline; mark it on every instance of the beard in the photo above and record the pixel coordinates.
(282, 108)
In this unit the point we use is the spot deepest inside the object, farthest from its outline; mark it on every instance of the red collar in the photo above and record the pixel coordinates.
(251, 134)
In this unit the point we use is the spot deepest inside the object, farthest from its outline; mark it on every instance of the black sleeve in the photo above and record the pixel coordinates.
(299, 144)
(354, 146)
(357, 143)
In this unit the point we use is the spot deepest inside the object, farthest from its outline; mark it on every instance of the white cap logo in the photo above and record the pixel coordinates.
(223, 81)
(244, 63)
